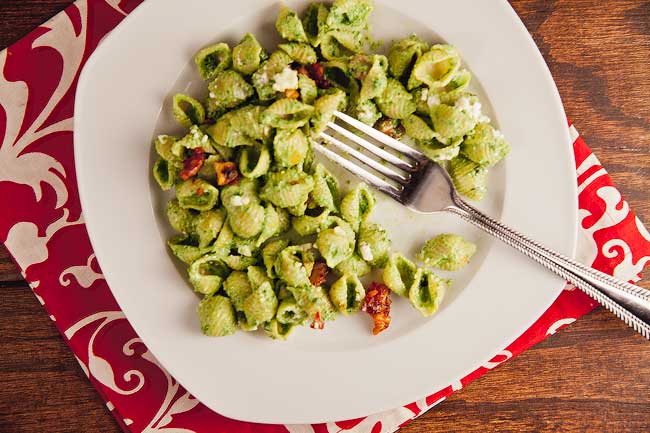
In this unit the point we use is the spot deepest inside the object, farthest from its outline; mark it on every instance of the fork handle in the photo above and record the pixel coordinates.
(628, 302)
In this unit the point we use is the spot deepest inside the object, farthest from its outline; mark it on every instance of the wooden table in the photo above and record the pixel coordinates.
(591, 377)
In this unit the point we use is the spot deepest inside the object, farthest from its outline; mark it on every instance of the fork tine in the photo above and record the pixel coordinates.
(381, 153)
(381, 137)
(386, 171)
(373, 180)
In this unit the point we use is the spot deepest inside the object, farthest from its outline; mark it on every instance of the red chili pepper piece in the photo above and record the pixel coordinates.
(317, 323)
(377, 304)
(316, 72)
(319, 273)
(192, 164)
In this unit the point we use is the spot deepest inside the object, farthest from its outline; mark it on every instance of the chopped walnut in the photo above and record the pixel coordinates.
(192, 164)
(317, 323)
(319, 273)
(377, 304)
(390, 127)
(291, 94)
(227, 173)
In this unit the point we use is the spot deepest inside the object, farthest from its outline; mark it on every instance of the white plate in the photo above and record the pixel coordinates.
(343, 372)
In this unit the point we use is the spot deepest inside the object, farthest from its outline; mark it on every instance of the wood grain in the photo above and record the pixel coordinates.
(9, 274)
(19, 17)
(590, 377)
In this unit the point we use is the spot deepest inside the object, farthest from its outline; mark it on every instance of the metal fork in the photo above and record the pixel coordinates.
(424, 186)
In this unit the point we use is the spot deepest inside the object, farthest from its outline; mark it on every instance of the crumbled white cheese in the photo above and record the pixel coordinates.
(287, 79)
(237, 201)
(245, 250)
(365, 111)
(463, 103)
(263, 79)
(339, 231)
(366, 252)
(424, 95)
(212, 95)
(471, 108)
(433, 100)
(239, 93)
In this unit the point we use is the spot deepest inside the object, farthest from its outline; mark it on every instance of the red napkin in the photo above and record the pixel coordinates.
(42, 227)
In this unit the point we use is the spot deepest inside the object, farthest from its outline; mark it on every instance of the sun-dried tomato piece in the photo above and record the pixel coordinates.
(192, 164)
(316, 72)
(227, 173)
(382, 322)
(319, 273)
(377, 299)
(317, 323)
(390, 127)
(377, 304)
(291, 94)
(302, 69)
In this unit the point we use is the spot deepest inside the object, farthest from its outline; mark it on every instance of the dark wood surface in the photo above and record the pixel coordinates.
(593, 376)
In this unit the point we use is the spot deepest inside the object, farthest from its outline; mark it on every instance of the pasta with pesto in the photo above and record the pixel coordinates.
(270, 238)
(447, 251)
(347, 294)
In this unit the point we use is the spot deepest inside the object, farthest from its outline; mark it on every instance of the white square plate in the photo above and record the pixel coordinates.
(344, 372)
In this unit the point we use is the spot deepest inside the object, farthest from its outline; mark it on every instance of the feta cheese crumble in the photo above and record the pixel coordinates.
(263, 79)
(245, 251)
(366, 252)
(237, 201)
(287, 79)
(433, 100)
(471, 108)
(365, 111)
(239, 93)
(339, 231)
